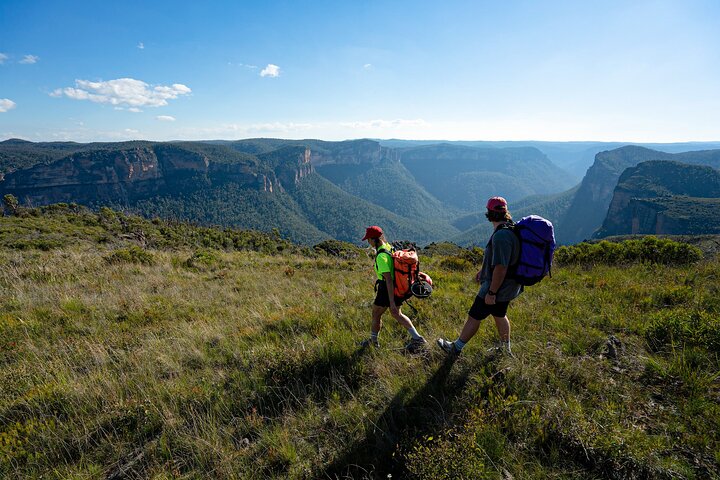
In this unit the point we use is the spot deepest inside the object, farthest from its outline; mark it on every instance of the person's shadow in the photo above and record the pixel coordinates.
(372, 457)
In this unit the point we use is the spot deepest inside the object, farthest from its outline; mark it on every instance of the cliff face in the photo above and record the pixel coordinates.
(127, 175)
(591, 202)
(654, 197)
(353, 153)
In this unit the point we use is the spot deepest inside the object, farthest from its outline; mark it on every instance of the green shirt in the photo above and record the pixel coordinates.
(383, 261)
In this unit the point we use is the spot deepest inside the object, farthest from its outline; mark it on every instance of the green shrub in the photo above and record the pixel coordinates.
(336, 248)
(456, 264)
(132, 254)
(648, 249)
(474, 255)
(442, 248)
(204, 259)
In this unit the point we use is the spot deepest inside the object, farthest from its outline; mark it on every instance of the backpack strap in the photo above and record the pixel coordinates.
(513, 227)
(382, 250)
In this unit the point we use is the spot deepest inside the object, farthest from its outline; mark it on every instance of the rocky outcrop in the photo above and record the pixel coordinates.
(591, 202)
(122, 176)
(352, 153)
(654, 197)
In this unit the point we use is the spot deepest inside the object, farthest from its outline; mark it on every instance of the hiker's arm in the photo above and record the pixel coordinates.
(391, 292)
(498, 276)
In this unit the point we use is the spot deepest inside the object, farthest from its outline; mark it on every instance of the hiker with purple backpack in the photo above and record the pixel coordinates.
(516, 255)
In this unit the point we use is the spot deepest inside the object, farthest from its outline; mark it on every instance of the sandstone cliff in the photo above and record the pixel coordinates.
(654, 197)
(125, 175)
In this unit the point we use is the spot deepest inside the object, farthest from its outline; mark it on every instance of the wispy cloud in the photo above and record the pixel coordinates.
(30, 59)
(123, 92)
(270, 71)
(6, 104)
(367, 65)
(141, 45)
(165, 118)
(3, 57)
(380, 123)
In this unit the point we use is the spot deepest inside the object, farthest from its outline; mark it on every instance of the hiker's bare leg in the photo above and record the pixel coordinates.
(503, 327)
(377, 313)
(469, 329)
(403, 319)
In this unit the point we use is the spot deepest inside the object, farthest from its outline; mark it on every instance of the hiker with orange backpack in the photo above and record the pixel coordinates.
(386, 296)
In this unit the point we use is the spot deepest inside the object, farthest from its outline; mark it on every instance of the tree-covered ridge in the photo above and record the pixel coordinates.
(660, 178)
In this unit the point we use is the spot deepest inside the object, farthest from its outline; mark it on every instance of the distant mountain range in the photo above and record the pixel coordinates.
(573, 157)
(310, 190)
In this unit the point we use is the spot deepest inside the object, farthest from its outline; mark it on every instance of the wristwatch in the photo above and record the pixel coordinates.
(491, 293)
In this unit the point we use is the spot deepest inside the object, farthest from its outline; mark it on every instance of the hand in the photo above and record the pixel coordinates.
(395, 310)
(477, 277)
(490, 299)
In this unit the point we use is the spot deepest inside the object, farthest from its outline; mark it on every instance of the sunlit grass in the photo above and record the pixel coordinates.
(239, 364)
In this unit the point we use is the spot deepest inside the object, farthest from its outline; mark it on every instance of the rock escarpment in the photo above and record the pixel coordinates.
(125, 175)
(592, 201)
(663, 197)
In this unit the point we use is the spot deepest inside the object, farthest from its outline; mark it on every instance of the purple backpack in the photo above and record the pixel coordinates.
(537, 246)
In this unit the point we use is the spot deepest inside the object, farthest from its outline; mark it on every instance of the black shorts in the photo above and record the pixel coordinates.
(480, 309)
(381, 298)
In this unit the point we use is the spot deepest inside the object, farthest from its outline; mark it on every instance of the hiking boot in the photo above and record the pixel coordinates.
(448, 347)
(415, 345)
(370, 342)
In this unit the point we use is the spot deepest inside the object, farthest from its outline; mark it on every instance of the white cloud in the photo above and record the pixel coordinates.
(270, 71)
(6, 104)
(165, 118)
(141, 45)
(251, 67)
(123, 92)
(367, 65)
(3, 57)
(30, 59)
(134, 110)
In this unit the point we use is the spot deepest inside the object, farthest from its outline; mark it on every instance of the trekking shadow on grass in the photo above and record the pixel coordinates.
(429, 408)
(289, 385)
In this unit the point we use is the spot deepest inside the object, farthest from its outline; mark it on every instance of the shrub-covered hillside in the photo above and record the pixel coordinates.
(139, 349)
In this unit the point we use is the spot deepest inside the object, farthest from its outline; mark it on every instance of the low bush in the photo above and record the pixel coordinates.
(456, 264)
(336, 248)
(204, 259)
(131, 254)
(648, 249)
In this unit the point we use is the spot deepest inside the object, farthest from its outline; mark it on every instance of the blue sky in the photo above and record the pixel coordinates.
(472, 70)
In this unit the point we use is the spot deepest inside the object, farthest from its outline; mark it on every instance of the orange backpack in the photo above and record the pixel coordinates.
(406, 265)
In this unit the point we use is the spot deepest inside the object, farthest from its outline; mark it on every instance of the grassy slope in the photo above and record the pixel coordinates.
(245, 365)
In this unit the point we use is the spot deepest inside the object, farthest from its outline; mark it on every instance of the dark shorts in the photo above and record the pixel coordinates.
(381, 298)
(480, 309)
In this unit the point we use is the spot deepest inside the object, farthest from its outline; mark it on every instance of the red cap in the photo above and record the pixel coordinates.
(497, 204)
(373, 232)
